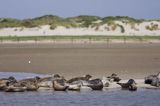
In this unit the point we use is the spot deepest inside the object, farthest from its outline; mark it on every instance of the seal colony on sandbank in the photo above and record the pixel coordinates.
(59, 83)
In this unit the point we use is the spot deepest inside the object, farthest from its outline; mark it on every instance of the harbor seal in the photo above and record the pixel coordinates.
(85, 78)
(130, 85)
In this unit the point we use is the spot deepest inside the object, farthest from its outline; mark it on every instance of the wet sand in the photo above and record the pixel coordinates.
(134, 60)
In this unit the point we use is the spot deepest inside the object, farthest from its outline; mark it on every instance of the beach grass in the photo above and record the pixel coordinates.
(54, 21)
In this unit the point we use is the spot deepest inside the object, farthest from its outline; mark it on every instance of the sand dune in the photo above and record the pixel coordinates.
(129, 29)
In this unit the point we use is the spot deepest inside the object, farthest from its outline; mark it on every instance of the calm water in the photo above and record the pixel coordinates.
(142, 97)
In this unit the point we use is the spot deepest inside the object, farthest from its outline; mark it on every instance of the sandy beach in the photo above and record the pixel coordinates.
(133, 60)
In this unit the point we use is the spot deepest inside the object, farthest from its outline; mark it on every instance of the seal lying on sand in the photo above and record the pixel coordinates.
(5, 81)
(47, 82)
(154, 80)
(95, 84)
(31, 83)
(130, 85)
(11, 85)
(74, 87)
(76, 83)
(86, 78)
(107, 81)
(114, 78)
(60, 85)
(15, 87)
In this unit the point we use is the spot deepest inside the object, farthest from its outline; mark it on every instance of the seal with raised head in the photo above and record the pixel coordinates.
(4, 82)
(130, 85)
(60, 85)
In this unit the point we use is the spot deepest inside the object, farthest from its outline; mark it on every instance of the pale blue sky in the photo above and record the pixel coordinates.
(148, 9)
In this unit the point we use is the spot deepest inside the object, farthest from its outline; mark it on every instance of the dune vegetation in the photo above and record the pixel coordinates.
(54, 21)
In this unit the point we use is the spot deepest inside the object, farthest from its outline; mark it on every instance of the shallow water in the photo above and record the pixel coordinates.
(143, 97)
(20, 75)
(115, 97)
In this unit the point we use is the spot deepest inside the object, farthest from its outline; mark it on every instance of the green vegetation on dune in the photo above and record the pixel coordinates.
(72, 38)
(83, 20)
(9, 22)
(124, 19)
(54, 21)
(48, 20)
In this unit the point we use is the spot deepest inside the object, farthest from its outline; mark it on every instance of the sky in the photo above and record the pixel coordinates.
(22, 9)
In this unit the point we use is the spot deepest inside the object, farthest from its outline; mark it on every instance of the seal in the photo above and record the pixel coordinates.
(74, 87)
(60, 85)
(16, 87)
(130, 85)
(114, 77)
(95, 84)
(31, 83)
(85, 78)
(5, 81)
(153, 80)
(47, 82)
